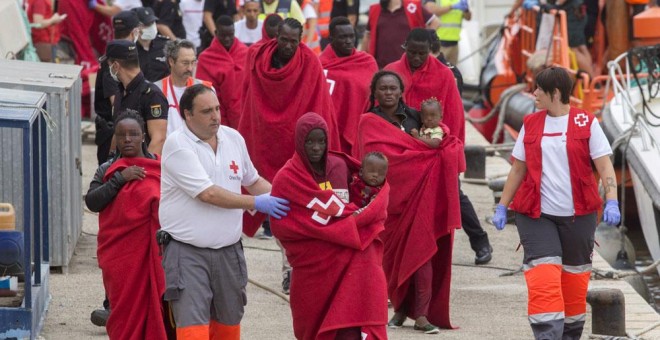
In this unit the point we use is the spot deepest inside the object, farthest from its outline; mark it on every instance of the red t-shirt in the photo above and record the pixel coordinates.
(51, 34)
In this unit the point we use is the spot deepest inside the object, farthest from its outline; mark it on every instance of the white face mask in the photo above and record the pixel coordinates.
(149, 33)
(115, 75)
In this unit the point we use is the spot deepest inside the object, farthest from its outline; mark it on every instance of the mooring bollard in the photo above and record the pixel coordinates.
(608, 309)
(475, 161)
(497, 186)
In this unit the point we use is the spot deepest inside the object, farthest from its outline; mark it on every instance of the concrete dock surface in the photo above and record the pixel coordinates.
(484, 304)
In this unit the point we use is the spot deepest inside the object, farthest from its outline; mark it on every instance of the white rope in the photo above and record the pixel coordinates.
(50, 123)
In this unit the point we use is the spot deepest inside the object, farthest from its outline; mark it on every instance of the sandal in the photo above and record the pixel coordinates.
(428, 329)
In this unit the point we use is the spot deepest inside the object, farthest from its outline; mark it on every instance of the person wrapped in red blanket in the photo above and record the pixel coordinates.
(223, 64)
(86, 29)
(423, 214)
(349, 73)
(425, 77)
(285, 81)
(368, 181)
(338, 288)
(268, 33)
(126, 191)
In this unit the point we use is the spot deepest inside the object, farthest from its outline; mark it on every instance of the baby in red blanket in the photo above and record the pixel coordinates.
(369, 180)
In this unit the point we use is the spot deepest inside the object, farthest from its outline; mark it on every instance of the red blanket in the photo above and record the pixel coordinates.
(128, 255)
(225, 70)
(275, 99)
(81, 19)
(337, 279)
(238, 52)
(433, 79)
(252, 53)
(423, 213)
(349, 79)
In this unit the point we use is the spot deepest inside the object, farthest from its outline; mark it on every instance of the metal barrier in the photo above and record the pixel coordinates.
(22, 120)
(63, 85)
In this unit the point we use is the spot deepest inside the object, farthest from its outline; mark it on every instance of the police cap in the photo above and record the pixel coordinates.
(121, 50)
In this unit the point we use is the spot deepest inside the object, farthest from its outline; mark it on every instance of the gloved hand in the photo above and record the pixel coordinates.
(271, 205)
(92, 4)
(611, 213)
(499, 219)
(461, 5)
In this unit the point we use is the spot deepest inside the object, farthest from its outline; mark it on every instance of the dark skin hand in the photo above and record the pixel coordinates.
(431, 142)
(133, 172)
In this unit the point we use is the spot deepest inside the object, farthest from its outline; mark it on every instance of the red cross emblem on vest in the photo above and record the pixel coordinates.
(234, 167)
(412, 8)
(323, 211)
(581, 119)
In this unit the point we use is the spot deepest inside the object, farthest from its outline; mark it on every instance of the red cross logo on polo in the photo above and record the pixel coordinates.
(323, 211)
(234, 167)
(581, 119)
(412, 8)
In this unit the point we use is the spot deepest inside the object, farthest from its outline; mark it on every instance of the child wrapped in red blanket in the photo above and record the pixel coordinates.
(338, 287)
(368, 182)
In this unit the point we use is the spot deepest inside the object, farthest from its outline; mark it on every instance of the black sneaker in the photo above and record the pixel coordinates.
(286, 282)
(484, 255)
(100, 317)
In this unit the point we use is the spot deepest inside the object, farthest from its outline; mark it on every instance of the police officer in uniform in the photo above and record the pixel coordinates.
(127, 27)
(170, 19)
(151, 46)
(136, 93)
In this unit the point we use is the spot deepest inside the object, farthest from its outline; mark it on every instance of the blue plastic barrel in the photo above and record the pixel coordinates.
(11, 251)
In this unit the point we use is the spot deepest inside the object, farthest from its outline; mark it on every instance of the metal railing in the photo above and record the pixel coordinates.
(623, 84)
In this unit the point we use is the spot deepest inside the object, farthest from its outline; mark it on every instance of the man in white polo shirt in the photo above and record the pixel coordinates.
(204, 167)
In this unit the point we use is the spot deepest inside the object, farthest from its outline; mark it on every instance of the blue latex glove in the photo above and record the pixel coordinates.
(499, 219)
(528, 4)
(461, 5)
(273, 206)
(92, 4)
(611, 213)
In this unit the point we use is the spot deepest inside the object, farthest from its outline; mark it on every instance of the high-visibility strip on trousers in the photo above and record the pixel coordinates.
(213, 331)
(557, 265)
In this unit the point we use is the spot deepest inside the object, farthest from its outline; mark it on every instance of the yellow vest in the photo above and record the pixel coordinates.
(450, 22)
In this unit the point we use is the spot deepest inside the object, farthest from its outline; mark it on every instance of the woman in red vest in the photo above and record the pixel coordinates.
(552, 189)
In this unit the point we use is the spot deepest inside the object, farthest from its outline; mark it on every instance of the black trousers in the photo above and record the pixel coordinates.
(478, 237)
